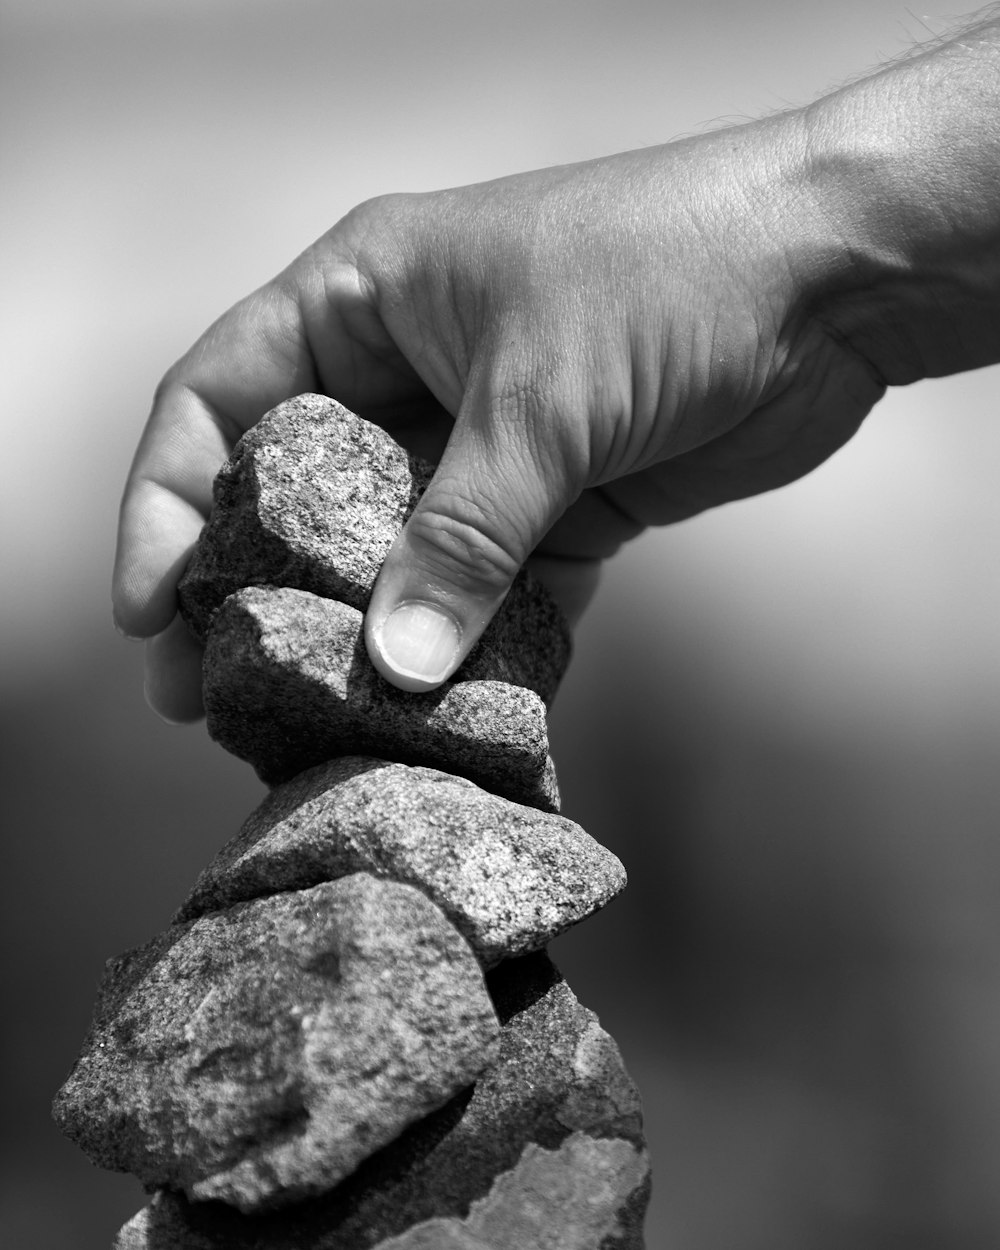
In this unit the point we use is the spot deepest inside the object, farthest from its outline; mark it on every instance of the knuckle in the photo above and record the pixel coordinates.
(522, 400)
(466, 548)
(543, 420)
(377, 226)
(168, 386)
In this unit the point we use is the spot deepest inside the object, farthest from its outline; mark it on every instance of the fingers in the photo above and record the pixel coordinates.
(167, 499)
(507, 473)
(253, 357)
(173, 674)
(311, 328)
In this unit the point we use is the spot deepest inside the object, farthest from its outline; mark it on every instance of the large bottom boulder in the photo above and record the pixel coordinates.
(545, 1152)
(258, 1055)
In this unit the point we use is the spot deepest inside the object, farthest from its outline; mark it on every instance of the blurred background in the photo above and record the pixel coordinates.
(783, 716)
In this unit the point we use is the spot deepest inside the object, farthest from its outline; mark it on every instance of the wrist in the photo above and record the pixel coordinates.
(903, 173)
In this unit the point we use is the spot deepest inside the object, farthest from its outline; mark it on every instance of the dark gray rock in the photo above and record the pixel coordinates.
(288, 684)
(509, 877)
(550, 1140)
(258, 1055)
(313, 497)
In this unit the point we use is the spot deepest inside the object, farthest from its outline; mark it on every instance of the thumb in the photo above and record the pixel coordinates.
(499, 487)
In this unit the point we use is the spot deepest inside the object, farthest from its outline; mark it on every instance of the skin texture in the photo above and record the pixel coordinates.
(592, 349)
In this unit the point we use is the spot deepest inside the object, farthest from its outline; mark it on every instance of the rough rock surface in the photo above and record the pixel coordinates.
(288, 684)
(509, 877)
(260, 1054)
(313, 497)
(582, 1179)
(557, 1101)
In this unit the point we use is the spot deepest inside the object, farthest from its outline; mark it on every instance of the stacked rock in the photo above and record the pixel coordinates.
(351, 1035)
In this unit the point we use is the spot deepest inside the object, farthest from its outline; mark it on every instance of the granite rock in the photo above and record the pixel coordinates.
(554, 1123)
(313, 497)
(568, 1198)
(288, 684)
(260, 1054)
(508, 877)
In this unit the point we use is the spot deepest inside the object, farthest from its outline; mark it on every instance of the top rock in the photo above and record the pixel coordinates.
(312, 498)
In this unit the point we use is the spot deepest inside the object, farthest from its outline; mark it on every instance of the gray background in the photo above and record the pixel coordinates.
(783, 716)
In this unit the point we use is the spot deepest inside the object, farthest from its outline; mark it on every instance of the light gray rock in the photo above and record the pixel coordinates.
(509, 877)
(259, 1055)
(550, 1140)
(288, 685)
(568, 1198)
(313, 497)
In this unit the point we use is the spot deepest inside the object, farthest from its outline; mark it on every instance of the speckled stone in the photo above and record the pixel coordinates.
(553, 1124)
(582, 1180)
(508, 876)
(258, 1055)
(288, 685)
(313, 497)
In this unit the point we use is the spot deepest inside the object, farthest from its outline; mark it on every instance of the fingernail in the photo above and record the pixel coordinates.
(419, 641)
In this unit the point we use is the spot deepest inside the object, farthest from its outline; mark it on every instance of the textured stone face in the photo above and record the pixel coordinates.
(313, 497)
(259, 1055)
(553, 1124)
(288, 684)
(310, 1058)
(509, 877)
(583, 1179)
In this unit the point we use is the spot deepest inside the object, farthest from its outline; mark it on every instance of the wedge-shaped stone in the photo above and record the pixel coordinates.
(313, 497)
(569, 1198)
(288, 684)
(509, 877)
(546, 1152)
(259, 1055)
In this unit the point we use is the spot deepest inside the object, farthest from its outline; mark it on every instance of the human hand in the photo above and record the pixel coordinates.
(588, 350)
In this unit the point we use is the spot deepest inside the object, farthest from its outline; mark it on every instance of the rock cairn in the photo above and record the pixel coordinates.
(351, 1035)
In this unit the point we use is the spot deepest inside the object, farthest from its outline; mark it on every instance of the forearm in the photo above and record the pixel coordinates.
(904, 167)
